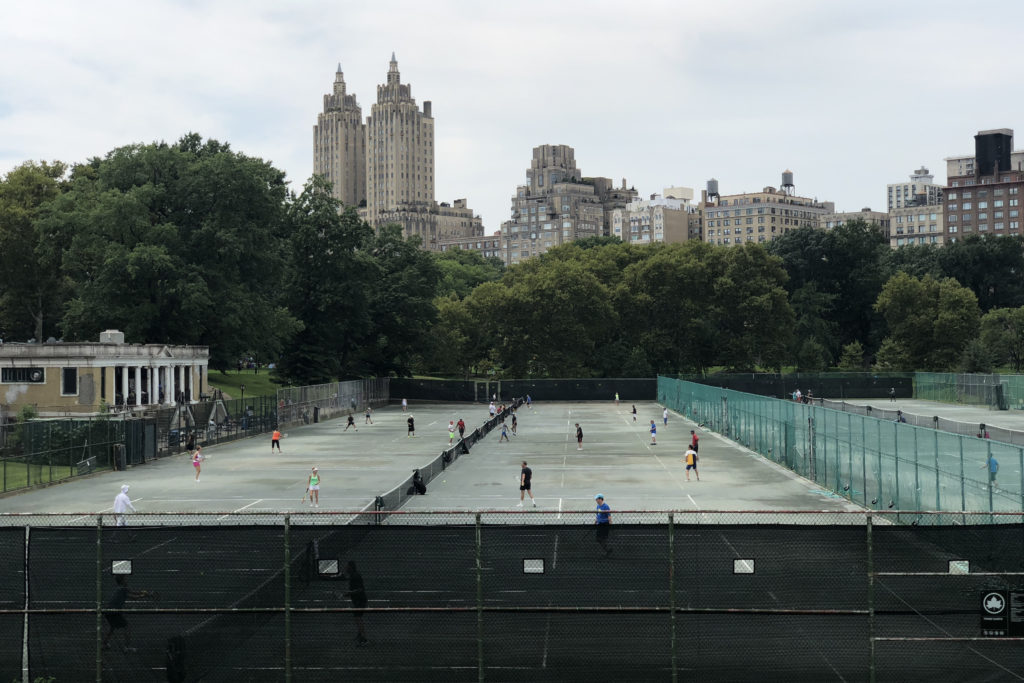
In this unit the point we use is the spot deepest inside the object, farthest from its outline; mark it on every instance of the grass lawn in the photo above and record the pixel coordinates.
(15, 474)
(255, 385)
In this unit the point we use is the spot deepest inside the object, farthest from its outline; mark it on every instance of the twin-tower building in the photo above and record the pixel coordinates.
(384, 166)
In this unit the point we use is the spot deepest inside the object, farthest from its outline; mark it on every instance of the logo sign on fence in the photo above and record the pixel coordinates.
(995, 611)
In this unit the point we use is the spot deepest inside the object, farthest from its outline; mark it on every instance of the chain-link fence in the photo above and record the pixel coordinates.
(831, 385)
(306, 405)
(997, 391)
(876, 463)
(536, 595)
(44, 451)
(977, 430)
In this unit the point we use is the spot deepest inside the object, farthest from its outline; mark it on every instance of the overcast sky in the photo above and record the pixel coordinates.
(849, 95)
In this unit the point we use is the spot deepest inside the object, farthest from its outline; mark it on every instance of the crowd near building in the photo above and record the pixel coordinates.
(385, 166)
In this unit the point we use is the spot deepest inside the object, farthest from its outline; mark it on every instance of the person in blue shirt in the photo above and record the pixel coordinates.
(993, 469)
(654, 434)
(603, 523)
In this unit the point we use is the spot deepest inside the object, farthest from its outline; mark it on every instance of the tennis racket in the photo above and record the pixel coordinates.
(304, 496)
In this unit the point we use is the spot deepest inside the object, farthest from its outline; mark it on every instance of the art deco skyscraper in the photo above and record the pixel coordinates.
(399, 151)
(339, 144)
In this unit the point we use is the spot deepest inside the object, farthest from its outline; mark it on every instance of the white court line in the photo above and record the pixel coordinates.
(241, 508)
(560, 505)
(547, 635)
(103, 511)
(554, 557)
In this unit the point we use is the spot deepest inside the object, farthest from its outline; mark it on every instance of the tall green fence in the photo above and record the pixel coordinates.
(1005, 392)
(876, 463)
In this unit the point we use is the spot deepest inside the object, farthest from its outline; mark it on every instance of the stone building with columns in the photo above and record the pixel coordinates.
(76, 378)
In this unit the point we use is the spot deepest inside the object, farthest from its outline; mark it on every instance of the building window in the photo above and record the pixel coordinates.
(69, 382)
(967, 206)
(22, 375)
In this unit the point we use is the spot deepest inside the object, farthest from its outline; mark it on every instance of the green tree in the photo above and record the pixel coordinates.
(977, 357)
(846, 263)
(462, 270)
(178, 244)
(812, 356)
(404, 281)
(852, 359)
(32, 287)
(326, 287)
(930, 320)
(1002, 331)
(991, 267)
(893, 357)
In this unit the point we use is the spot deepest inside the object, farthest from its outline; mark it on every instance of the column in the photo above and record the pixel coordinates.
(170, 385)
(192, 384)
(138, 385)
(150, 383)
(124, 385)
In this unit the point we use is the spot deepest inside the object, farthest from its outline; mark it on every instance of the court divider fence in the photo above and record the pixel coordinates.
(532, 595)
(396, 497)
(879, 464)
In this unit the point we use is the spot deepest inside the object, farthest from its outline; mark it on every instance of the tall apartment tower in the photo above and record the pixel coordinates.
(983, 192)
(339, 144)
(399, 151)
(557, 205)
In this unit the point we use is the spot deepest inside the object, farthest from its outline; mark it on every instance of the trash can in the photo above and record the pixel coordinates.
(316, 414)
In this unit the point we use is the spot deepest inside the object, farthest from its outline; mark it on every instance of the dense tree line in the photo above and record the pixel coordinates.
(194, 243)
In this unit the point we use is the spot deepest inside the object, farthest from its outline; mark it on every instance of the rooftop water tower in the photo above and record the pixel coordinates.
(787, 183)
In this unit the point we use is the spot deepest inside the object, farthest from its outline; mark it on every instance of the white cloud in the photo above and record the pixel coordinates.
(851, 96)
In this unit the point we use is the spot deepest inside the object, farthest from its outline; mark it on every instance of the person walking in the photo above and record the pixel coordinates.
(122, 504)
(412, 426)
(694, 441)
(504, 433)
(579, 437)
(405, 405)
(369, 411)
(892, 394)
(351, 423)
(993, 469)
(313, 487)
(357, 594)
(114, 618)
(275, 440)
(197, 461)
(491, 409)
(529, 402)
(664, 416)
(616, 399)
(603, 522)
(525, 476)
(461, 424)
(515, 424)
(654, 434)
(691, 458)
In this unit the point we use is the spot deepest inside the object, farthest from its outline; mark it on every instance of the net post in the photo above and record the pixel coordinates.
(672, 593)
(871, 597)
(99, 598)
(479, 604)
(287, 600)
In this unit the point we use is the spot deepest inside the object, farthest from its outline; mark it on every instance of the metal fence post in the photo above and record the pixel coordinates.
(871, 598)
(896, 464)
(938, 483)
(99, 598)
(479, 603)
(963, 489)
(672, 594)
(1020, 453)
(287, 599)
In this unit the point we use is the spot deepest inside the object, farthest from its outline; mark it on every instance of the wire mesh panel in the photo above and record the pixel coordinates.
(880, 464)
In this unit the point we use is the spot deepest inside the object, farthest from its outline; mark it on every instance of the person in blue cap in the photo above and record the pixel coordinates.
(603, 522)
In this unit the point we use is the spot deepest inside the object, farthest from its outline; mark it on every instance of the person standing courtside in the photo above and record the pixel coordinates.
(275, 440)
(412, 426)
(634, 412)
(694, 440)
(525, 477)
(122, 503)
(313, 487)
(579, 437)
(654, 434)
(603, 523)
(690, 458)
